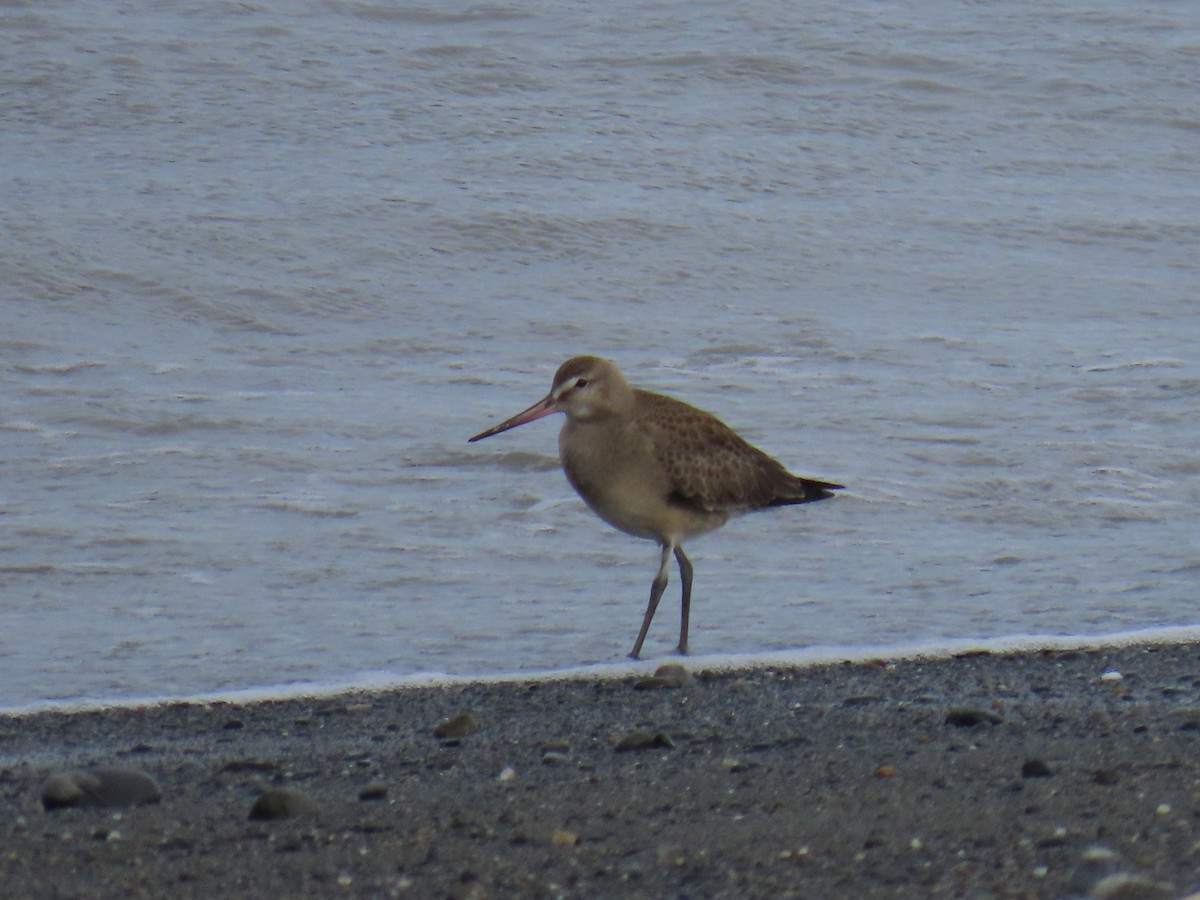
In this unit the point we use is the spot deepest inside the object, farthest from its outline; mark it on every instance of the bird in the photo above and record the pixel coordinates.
(657, 468)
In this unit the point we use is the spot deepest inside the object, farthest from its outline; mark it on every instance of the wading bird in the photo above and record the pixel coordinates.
(657, 468)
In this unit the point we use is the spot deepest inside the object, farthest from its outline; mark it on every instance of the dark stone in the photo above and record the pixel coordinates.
(969, 718)
(456, 726)
(643, 740)
(282, 803)
(100, 787)
(374, 791)
(1035, 768)
(671, 675)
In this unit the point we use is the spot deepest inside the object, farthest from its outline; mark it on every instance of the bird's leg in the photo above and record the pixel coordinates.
(685, 610)
(656, 591)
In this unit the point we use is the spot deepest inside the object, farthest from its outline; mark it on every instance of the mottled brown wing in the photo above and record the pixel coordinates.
(709, 466)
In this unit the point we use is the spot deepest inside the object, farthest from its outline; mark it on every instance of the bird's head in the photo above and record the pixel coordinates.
(585, 387)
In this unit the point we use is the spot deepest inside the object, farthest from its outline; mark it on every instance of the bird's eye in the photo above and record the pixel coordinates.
(581, 382)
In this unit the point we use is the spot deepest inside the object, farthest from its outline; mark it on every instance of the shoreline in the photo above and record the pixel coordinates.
(987, 774)
(810, 657)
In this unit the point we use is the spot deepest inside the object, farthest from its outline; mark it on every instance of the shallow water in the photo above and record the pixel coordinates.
(262, 274)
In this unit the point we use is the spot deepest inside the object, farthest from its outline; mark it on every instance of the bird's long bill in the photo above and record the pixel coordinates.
(543, 407)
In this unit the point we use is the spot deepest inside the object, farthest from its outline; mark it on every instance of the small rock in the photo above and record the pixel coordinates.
(456, 726)
(1189, 718)
(377, 790)
(643, 740)
(1058, 838)
(100, 787)
(564, 839)
(1096, 864)
(1130, 886)
(1100, 875)
(282, 803)
(1035, 768)
(555, 758)
(671, 675)
(885, 771)
(969, 718)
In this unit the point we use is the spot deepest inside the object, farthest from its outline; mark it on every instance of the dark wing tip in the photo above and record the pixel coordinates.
(810, 492)
(825, 486)
(820, 490)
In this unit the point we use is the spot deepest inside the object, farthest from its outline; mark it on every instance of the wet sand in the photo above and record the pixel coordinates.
(980, 776)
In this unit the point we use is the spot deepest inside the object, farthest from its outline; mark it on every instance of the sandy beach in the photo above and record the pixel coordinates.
(1051, 774)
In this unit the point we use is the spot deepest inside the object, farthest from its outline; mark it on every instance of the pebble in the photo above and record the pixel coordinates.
(969, 718)
(1129, 886)
(1035, 768)
(100, 787)
(1100, 875)
(671, 675)
(282, 803)
(456, 726)
(643, 740)
(1189, 718)
(375, 791)
(1096, 864)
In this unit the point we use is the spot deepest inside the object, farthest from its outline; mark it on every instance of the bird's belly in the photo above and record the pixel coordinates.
(644, 509)
(619, 476)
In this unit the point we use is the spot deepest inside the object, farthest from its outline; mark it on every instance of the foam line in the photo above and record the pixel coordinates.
(804, 658)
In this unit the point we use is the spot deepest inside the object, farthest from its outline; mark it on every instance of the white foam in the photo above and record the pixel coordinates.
(808, 657)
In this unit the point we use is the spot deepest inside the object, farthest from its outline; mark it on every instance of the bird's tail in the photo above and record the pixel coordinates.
(806, 490)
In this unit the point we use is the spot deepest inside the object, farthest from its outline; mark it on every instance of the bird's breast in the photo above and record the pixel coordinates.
(615, 469)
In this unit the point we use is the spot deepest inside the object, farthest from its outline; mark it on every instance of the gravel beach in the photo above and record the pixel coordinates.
(1047, 774)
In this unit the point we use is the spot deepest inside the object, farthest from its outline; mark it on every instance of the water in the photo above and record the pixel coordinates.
(263, 271)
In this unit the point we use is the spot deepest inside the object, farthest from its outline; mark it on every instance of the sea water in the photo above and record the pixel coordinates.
(265, 267)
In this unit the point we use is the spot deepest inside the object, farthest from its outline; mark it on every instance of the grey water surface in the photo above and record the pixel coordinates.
(264, 267)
